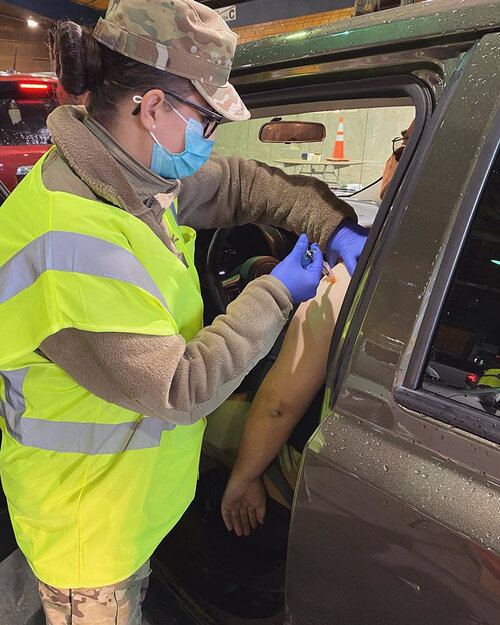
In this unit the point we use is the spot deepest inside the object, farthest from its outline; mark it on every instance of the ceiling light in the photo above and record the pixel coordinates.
(31, 22)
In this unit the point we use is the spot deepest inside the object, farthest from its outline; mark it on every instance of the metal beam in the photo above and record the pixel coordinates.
(60, 10)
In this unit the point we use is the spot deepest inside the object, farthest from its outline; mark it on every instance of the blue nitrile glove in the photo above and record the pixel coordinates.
(346, 242)
(302, 282)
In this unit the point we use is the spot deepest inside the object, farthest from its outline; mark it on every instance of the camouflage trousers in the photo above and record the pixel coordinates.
(118, 604)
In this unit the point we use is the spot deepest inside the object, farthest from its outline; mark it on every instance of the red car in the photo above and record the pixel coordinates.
(25, 102)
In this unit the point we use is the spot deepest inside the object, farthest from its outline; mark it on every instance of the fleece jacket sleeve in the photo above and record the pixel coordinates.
(165, 377)
(234, 191)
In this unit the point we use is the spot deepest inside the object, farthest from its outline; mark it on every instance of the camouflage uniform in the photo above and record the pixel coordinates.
(188, 39)
(118, 604)
(182, 37)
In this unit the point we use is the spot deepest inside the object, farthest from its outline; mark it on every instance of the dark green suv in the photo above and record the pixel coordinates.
(396, 515)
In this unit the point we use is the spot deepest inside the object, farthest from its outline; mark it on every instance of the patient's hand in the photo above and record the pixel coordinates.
(243, 504)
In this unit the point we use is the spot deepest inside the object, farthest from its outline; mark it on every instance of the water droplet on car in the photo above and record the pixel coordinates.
(386, 468)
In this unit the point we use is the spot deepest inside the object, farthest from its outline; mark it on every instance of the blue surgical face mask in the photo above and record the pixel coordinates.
(196, 153)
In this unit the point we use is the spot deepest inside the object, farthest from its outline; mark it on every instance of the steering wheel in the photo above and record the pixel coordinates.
(224, 290)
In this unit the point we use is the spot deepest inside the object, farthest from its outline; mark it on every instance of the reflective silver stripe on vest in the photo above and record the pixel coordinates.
(83, 438)
(79, 253)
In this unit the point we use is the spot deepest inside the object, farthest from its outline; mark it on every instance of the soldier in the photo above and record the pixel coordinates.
(107, 371)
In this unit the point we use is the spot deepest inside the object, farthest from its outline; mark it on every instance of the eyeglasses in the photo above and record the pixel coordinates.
(211, 119)
(395, 143)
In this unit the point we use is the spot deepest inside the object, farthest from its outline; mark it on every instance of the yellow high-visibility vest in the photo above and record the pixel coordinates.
(491, 377)
(92, 488)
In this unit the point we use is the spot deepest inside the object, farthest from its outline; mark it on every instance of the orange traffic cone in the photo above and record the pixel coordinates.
(338, 149)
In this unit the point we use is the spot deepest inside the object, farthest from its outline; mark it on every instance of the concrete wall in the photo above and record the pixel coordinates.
(31, 43)
(31, 56)
(368, 134)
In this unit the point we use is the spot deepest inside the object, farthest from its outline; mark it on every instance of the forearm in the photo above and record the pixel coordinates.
(165, 377)
(293, 381)
(234, 191)
(268, 426)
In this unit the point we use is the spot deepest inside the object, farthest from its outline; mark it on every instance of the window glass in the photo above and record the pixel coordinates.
(358, 149)
(464, 362)
(23, 122)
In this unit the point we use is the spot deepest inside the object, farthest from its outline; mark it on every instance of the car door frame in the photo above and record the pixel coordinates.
(401, 433)
(409, 393)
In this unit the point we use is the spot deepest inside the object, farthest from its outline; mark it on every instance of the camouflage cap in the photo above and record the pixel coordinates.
(183, 37)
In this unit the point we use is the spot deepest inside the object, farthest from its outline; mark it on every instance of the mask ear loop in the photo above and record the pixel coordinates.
(137, 99)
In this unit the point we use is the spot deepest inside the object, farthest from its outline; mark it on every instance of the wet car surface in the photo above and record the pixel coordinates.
(396, 516)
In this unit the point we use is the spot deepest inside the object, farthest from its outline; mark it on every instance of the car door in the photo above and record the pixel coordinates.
(397, 514)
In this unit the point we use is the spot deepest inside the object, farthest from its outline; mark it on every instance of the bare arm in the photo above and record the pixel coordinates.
(285, 394)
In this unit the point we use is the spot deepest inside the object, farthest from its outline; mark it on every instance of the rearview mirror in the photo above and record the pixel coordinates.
(292, 132)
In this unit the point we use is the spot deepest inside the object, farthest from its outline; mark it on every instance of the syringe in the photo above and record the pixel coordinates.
(326, 271)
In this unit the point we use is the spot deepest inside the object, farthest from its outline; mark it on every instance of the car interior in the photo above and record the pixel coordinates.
(221, 576)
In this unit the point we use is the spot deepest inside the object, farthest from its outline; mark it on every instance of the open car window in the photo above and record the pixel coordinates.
(356, 156)
(464, 361)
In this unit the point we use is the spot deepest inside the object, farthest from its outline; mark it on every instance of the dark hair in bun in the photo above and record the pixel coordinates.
(85, 66)
(78, 58)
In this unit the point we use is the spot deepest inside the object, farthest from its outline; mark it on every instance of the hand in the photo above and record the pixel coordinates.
(243, 504)
(302, 282)
(346, 242)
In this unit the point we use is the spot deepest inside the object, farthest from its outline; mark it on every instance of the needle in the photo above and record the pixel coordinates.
(326, 271)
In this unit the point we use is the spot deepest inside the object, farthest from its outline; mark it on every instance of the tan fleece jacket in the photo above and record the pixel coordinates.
(163, 376)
